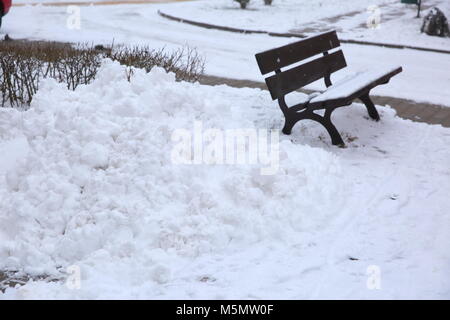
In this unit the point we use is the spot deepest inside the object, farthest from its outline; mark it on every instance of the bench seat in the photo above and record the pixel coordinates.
(351, 87)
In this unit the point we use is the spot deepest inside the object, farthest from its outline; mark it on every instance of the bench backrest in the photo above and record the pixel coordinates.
(284, 82)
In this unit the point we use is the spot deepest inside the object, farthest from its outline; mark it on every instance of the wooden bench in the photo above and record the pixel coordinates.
(342, 93)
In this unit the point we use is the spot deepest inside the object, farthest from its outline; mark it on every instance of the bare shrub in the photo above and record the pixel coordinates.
(24, 63)
(186, 63)
(19, 76)
(243, 3)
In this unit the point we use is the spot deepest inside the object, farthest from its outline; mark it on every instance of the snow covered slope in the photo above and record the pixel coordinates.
(89, 182)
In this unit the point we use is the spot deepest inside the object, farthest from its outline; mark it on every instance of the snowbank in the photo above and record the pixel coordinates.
(89, 181)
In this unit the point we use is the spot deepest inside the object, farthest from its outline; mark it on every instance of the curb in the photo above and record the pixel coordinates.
(229, 29)
(294, 35)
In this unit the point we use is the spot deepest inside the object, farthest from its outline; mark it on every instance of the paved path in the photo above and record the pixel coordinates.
(407, 109)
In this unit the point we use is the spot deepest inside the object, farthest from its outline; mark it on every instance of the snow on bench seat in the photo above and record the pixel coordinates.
(351, 84)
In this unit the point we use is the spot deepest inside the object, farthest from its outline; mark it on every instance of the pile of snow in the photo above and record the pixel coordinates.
(88, 188)
(87, 180)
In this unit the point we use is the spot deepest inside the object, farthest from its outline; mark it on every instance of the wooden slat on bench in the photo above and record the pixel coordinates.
(281, 57)
(295, 78)
(324, 101)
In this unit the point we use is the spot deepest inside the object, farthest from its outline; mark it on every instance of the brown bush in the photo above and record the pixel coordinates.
(24, 63)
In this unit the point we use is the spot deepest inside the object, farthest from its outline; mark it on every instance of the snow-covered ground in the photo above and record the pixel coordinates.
(387, 21)
(89, 181)
(281, 16)
(425, 77)
(397, 25)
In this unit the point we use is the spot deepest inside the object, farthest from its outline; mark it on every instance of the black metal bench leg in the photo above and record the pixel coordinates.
(289, 123)
(325, 121)
(290, 117)
(373, 113)
(336, 138)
